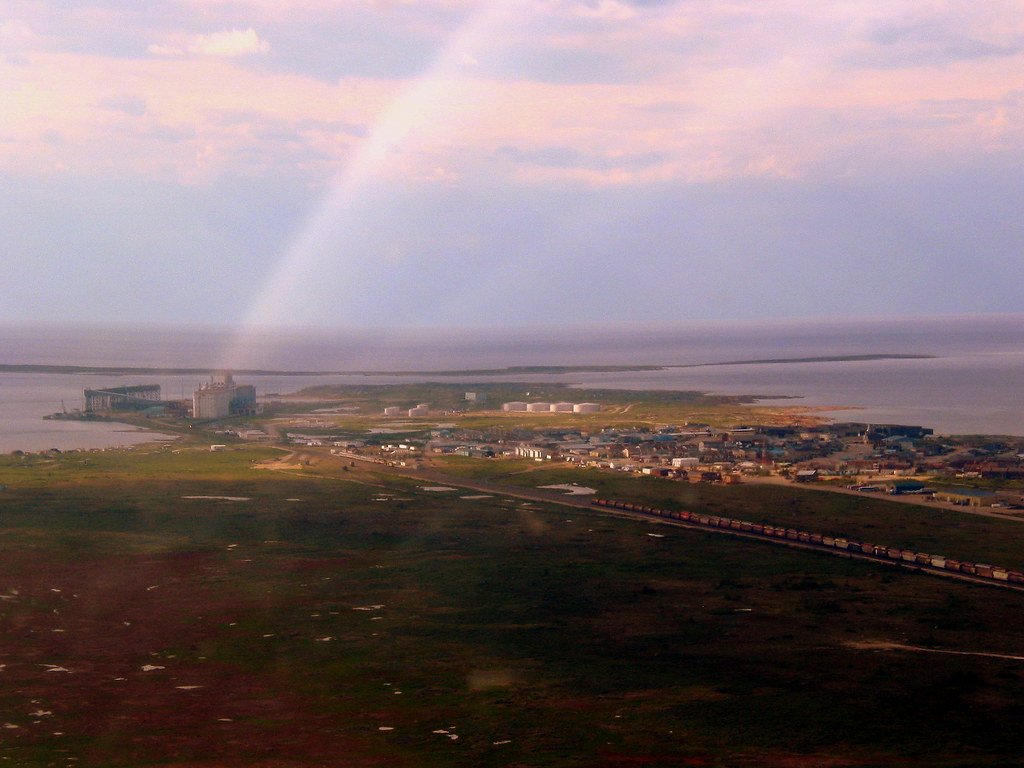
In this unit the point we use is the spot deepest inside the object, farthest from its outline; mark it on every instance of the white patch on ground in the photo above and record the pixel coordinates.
(503, 741)
(385, 728)
(220, 498)
(40, 713)
(55, 668)
(368, 607)
(656, 535)
(436, 488)
(482, 496)
(187, 687)
(571, 489)
(151, 667)
(293, 499)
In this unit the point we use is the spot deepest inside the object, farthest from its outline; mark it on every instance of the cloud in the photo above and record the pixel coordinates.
(228, 44)
(129, 105)
(607, 10)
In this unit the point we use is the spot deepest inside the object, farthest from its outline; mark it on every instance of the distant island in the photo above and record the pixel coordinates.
(508, 370)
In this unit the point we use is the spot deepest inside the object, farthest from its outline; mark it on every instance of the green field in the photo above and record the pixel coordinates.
(620, 408)
(291, 626)
(863, 518)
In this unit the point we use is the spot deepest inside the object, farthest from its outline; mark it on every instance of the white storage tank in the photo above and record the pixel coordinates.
(419, 410)
(539, 408)
(392, 410)
(513, 406)
(587, 408)
(562, 407)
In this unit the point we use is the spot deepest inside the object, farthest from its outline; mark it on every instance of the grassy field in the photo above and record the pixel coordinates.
(359, 620)
(620, 408)
(864, 518)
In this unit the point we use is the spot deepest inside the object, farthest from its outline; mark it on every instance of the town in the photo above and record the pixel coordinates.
(894, 459)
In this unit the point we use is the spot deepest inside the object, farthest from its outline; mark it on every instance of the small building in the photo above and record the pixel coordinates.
(906, 486)
(420, 410)
(514, 406)
(966, 497)
(806, 476)
(392, 410)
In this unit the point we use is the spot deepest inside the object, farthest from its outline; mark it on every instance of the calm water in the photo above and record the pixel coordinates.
(975, 385)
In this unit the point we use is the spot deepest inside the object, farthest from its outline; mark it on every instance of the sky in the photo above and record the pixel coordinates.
(355, 163)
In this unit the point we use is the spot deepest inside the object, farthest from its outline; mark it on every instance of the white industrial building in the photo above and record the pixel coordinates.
(517, 406)
(220, 397)
(392, 410)
(423, 409)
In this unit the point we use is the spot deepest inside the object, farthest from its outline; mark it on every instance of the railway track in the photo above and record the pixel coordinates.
(528, 494)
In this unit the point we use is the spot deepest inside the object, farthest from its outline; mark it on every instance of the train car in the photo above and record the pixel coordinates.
(803, 536)
(983, 569)
(756, 528)
(908, 556)
(736, 525)
(893, 554)
(938, 561)
(704, 519)
(922, 559)
(816, 538)
(792, 534)
(1000, 574)
(840, 543)
(867, 549)
(746, 527)
(1015, 577)
(952, 565)
(969, 568)
(828, 541)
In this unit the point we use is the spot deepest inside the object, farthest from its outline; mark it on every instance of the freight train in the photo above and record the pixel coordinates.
(881, 552)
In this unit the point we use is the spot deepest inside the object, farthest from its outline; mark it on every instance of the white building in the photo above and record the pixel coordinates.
(420, 410)
(539, 408)
(587, 408)
(211, 402)
(392, 410)
(220, 397)
(514, 406)
(562, 407)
